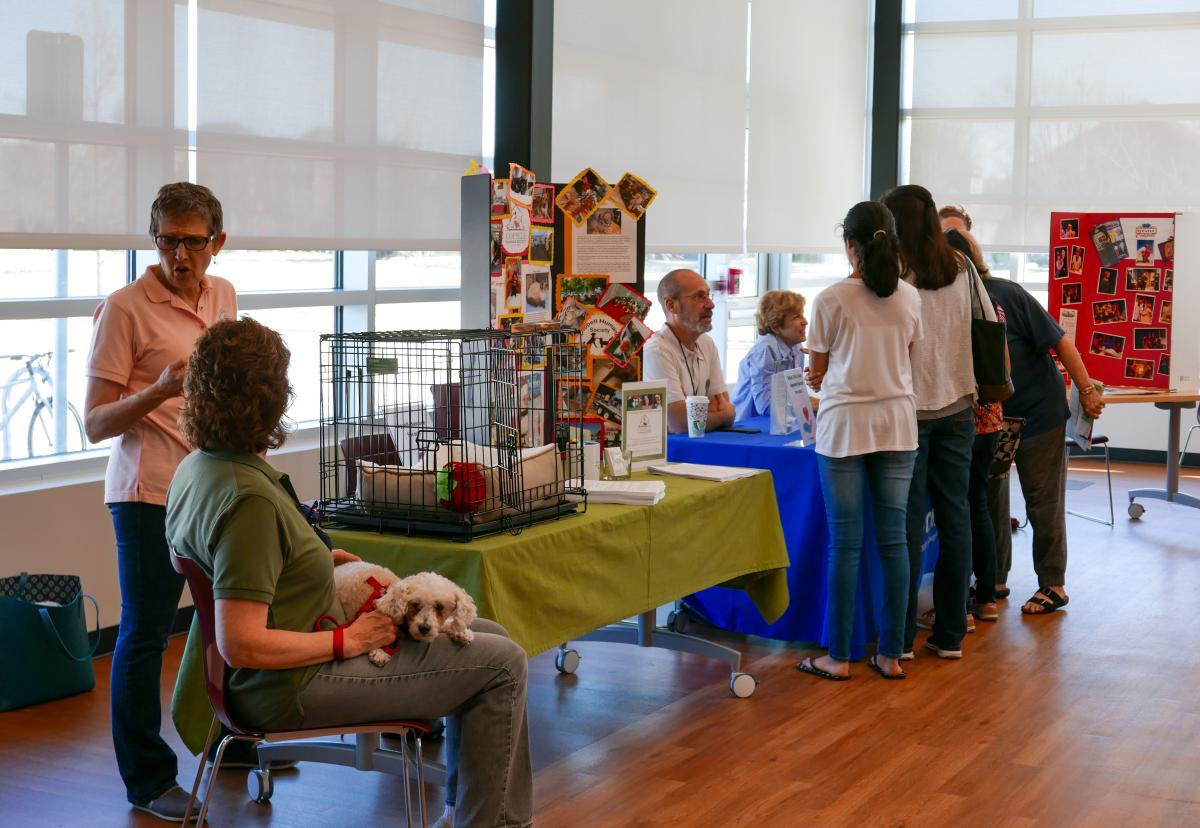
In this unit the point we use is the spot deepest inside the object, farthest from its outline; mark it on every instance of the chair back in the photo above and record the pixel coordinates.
(216, 671)
(377, 448)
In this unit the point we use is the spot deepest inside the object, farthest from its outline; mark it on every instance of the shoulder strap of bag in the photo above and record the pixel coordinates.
(976, 299)
(53, 630)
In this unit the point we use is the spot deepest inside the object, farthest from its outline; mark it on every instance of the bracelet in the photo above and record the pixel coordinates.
(338, 640)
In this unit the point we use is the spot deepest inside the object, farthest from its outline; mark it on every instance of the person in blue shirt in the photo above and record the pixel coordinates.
(781, 328)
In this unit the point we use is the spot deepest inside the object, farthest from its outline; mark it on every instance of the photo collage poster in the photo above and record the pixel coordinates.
(1112, 280)
(528, 291)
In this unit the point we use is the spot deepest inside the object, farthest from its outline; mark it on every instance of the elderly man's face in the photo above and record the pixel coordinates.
(693, 308)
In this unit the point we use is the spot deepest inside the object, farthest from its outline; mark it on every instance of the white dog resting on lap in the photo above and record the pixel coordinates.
(424, 605)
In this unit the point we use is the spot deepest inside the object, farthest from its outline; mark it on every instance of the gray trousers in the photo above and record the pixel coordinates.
(1042, 470)
(479, 687)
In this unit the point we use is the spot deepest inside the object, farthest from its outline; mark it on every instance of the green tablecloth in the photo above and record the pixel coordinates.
(560, 579)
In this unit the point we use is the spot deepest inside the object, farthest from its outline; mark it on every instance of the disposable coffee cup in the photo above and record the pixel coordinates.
(697, 415)
(591, 461)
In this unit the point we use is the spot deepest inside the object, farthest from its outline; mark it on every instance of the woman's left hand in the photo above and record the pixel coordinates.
(341, 556)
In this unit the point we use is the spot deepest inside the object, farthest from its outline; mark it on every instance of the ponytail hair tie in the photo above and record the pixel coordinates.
(878, 233)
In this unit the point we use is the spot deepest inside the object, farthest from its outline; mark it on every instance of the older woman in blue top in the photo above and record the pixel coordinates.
(781, 327)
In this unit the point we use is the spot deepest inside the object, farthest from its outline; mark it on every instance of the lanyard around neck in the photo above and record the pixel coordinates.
(688, 366)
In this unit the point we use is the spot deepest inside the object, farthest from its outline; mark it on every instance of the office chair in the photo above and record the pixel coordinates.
(1101, 441)
(216, 673)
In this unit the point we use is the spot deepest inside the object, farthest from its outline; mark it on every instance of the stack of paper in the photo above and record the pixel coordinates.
(630, 492)
(701, 472)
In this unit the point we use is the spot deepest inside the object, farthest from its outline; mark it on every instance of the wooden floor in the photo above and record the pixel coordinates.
(1085, 718)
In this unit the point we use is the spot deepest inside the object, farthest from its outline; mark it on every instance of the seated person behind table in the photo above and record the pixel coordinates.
(235, 515)
(781, 329)
(683, 354)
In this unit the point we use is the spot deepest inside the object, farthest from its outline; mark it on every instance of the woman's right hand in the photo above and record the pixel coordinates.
(369, 631)
(170, 381)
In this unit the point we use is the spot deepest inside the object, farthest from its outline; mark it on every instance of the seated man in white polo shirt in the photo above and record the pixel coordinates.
(683, 354)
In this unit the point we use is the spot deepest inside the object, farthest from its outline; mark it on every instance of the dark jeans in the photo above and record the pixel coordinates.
(844, 482)
(941, 476)
(150, 591)
(983, 534)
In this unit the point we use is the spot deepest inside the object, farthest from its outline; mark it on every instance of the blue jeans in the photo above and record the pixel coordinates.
(941, 476)
(844, 480)
(150, 591)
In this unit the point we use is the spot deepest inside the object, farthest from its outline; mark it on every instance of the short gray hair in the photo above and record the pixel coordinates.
(186, 199)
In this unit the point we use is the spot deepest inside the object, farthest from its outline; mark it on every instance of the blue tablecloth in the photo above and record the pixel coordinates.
(802, 513)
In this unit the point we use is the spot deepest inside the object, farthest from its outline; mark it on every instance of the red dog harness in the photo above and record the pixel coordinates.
(377, 590)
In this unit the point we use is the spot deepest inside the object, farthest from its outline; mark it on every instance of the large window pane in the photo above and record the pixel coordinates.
(961, 156)
(963, 71)
(1115, 68)
(938, 11)
(1096, 8)
(42, 361)
(275, 270)
(417, 268)
(418, 316)
(34, 274)
(301, 329)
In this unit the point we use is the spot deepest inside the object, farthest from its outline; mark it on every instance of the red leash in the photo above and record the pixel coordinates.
(377, 590)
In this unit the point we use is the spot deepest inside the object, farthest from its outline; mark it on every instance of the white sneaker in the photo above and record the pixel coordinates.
(941, 653)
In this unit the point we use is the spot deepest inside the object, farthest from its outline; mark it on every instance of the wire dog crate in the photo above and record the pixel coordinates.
(456, 433)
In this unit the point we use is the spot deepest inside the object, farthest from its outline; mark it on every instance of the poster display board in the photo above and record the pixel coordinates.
(1112, 283)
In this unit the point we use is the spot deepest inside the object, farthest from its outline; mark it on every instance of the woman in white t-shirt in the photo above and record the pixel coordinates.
(859, 336)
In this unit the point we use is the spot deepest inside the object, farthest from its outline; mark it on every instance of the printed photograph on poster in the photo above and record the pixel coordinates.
(1139, 369)
(644, 419)
(628, 342)
(634, 195)
(623, 303)
(520, 185)
(612, 434)
(1164, 363)
(537, 292)
(1068, 228)
(1107, 345)
(601, 369)
(541, 245)
(606, 221)
(582, 195)
(541, 211)
(598, 330)
(1107, 283)
(500, 208)
(587, 430)
(1109, 240)
(1166, 249)
(1109, 312)
(572, 397)
(1150, 339)
(1168, 284)
(571, 358)
(531, 408)
(514, 231)
(1138, 229)
(497, 258)
(1060, 262)
(1068, 318)
(1143, 309)
(507, 320)
(496, 299)
(533, 352)
(606, 402)
(571, 314)
(1076, 268)
(514, 285)
(586, 289)
(1164, 311)
(1142, 278)
(1145, 252)
(1072, 293)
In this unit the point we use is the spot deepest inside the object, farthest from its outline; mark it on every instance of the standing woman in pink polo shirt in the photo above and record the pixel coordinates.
(142, 337)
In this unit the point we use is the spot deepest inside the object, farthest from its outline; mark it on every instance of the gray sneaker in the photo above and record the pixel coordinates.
(170, 806)
(931, 645)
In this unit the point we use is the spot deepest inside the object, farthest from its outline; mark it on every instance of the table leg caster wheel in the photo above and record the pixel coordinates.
(677, 621)
(1136, 510)
(742, 685)
(260, 785)
(566, 661)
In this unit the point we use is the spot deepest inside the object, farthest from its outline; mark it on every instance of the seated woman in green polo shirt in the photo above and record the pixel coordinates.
(235, 515)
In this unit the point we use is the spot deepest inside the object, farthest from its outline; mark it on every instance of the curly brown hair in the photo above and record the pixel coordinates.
(236, 390)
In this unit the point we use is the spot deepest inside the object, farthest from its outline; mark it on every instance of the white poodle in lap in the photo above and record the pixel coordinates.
(424, 605)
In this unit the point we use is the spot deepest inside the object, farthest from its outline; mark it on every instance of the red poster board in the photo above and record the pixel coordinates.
(1111, 283)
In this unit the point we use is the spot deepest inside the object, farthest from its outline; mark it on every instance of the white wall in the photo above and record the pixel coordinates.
(66, 529)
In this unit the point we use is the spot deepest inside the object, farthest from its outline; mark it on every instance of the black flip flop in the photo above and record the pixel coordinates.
(874, 665)
(809, 665)
(1047, 599)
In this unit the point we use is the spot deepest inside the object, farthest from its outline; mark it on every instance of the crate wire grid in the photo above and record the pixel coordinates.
(412, 402)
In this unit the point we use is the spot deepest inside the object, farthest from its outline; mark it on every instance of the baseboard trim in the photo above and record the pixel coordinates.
(108, 635)
(1126, 455)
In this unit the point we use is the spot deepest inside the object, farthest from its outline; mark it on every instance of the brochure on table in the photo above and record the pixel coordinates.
(1112, 285)
(644, 415)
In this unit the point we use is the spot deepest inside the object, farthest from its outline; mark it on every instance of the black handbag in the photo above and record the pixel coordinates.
(44, 648)
(1008, 440)
(989, 350)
